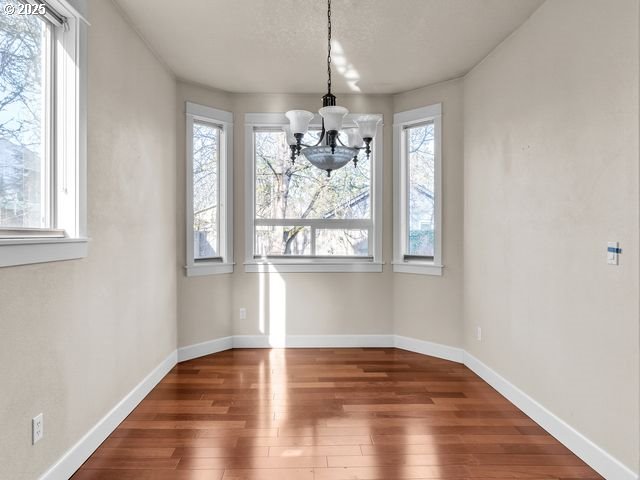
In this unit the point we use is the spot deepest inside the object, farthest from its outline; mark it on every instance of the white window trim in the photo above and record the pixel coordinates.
(70, 153)
(225, 191)
(313, 264)
(400, 122)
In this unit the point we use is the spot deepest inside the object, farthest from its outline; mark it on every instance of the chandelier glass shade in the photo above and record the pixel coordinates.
(330, 153)
(329, 158)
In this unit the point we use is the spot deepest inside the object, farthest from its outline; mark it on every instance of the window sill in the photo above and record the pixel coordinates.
(208, 268)
(25, 251)
(310, 266)
(418, 268)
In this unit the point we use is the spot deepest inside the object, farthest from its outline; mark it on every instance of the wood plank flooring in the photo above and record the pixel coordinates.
(327, 414)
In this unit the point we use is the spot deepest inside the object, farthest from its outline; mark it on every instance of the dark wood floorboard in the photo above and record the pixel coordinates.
(328, 414)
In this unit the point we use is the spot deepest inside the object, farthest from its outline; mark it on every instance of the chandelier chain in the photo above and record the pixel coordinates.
(329, 45)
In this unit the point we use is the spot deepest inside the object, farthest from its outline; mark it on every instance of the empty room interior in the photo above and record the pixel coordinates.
(319, 239)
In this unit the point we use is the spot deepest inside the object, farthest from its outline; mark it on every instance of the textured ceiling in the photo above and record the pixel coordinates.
(380, 46)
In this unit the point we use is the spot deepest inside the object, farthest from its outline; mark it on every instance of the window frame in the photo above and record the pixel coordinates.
(401, 122)
(224, 120)
(371, 263)
(68, 147)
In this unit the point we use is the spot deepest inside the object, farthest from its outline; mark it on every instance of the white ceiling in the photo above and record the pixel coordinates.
(380, 46)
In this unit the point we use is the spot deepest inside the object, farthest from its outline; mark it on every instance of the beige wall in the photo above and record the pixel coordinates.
(204, 303)
(551, 175)
(424, 306)
(77, 336)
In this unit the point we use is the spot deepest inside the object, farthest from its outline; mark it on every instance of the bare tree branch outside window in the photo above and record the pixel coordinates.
(206, 156)
(421, 168)
(301, 191)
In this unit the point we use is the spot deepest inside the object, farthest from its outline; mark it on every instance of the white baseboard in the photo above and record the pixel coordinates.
(597, 458)
(429, 348)
(78, 454)
(312, 341)
(204, 348)
(252, 341)
(592, 454)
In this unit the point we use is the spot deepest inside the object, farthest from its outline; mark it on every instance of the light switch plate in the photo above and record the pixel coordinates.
(612, 253)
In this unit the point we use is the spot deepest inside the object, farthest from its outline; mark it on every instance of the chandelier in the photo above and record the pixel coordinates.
(330, 153)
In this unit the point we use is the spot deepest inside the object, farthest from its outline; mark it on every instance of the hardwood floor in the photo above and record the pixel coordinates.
(327, 414)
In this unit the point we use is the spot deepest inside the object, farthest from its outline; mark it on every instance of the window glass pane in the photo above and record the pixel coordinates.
(276, 241)
(421, 179)
(342, 242)
(24, 97)
(300, 190)
(206, 141)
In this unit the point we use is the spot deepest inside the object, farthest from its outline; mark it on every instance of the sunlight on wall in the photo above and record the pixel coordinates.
(344, 68)
(272, 308)
(277, 310)
(262, 307)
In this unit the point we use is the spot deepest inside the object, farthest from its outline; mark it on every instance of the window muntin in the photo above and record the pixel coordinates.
(206, 190)
(298, 207)
(420, 211)
(26, 108)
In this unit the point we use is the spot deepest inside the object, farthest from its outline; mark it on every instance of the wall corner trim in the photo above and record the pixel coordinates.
(66, 466)
(593, 455)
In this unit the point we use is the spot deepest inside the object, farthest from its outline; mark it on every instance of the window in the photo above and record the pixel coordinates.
(42, 134)
(298, 218)
(208, 173)
(417, 196)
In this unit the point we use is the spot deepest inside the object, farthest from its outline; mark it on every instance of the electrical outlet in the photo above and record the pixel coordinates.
(479, 333)
(243, 313)
(37, 428)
